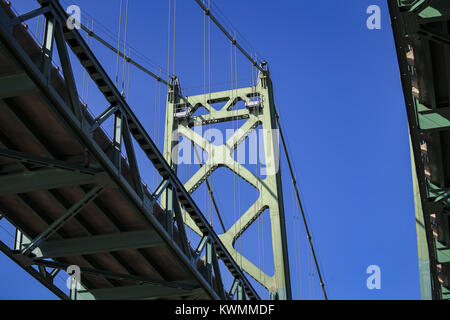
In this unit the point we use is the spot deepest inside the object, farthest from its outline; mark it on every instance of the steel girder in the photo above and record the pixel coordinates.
(44, 278)
(269, 188)
(421, 31)
(138, 292)
(96, 244)
(127, 126)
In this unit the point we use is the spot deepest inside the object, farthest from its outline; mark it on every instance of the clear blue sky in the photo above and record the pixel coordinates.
(339, 96)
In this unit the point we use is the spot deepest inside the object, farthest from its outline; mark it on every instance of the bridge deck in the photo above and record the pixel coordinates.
(50, 166)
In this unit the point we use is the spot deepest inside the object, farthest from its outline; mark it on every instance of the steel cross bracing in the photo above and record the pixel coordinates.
(99, 174)
(269, 188)
(422, 35)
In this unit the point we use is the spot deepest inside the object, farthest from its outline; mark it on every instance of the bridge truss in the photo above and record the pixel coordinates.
(75, 199)
(259, 111)
(422, 36)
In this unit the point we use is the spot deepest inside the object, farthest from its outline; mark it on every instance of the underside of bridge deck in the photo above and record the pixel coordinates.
(72, 195)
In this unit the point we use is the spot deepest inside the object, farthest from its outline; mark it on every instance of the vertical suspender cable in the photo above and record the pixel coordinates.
(301, 207)
(118, 42)
(204, 53)
(168, 40)
(155, 129)
(88, 78)
(207, 12)
(209, 96)
(204, 92)
(210, 191)
(233, 123)
(238, 166)
(84, 73)
(227, 34)
(168, 66)
(297, 240)
(174, 32)
(125, 51)
(129, 73)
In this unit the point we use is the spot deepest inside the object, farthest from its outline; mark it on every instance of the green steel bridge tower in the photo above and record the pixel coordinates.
(259, 111)
(77, 202)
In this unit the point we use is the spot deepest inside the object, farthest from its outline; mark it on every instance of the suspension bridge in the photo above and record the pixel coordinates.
(71, 182)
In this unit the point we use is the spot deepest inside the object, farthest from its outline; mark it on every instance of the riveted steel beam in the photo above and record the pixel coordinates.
(45, 180)
(65, 113)
(48, 283)
(58, 223)
(45, 162)
(270, 189)
(97, 244)
(422, 40)
(133, 293)
(185, 285)
(13, 85)
(67, 71)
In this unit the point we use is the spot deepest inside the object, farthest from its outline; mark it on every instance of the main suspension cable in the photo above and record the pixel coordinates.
(112, 36)
(227, 34)
(294, 181)
(121, 54)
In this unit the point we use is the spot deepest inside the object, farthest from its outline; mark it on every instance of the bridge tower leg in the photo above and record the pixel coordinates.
(260, 110)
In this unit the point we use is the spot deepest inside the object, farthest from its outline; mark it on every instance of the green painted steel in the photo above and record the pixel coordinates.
(424, 261)
(59, 223)
(97, 244)
(43, 279)
(270, 188)
(422, 37)
(15, 85)
(54, 173)
(44, 180)
(139, 292)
